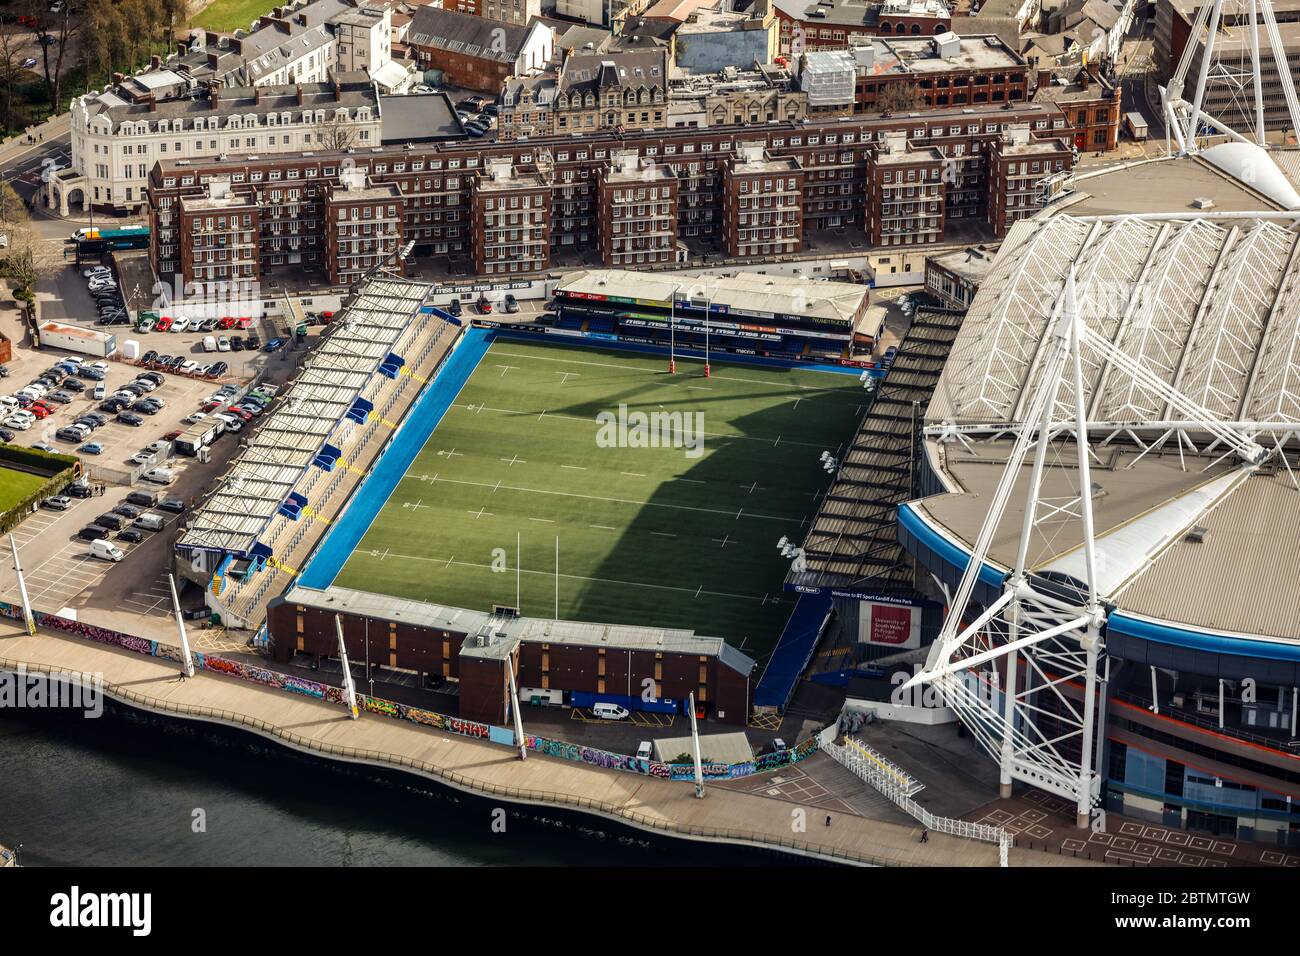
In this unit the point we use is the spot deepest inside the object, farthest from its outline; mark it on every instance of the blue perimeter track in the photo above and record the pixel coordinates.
(378, 486)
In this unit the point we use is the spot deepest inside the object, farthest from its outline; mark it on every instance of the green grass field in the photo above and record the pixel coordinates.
(647, 536)
(17, 485)
(226, 16)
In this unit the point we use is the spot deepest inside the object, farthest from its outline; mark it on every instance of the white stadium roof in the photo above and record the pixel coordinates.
(288, 439)
(1211, 305)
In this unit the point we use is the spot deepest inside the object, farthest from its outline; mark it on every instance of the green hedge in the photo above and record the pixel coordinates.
(33, 459)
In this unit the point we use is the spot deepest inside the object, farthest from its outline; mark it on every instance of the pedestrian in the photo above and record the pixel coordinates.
(828, 819)
(925, 836)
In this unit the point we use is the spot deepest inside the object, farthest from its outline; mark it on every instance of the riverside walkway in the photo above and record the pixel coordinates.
(494, 771)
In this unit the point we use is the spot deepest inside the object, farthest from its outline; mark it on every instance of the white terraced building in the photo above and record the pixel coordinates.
(115, 143)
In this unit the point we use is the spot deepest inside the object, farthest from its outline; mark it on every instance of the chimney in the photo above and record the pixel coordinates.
(1084, 78)
(155, 61)
(118, 78)
(299, 94)
(214, 94)
(338, 90)
(153, 103)
(257, 95)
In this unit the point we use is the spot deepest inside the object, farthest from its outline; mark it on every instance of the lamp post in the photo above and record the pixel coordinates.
(672, 331)
(708, 315)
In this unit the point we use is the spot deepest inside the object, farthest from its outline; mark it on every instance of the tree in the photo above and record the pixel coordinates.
(336, 134)
(10, 69)
(900, 98)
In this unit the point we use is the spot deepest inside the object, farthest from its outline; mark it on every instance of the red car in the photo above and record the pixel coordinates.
(40, 411)
(245, 322)
(49, 409)
(164, 324)
(227, 322)
(484, 305)
(173, 435)
(326, 318)
(242, 412)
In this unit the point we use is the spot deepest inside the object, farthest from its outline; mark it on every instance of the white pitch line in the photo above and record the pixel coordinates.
(620, 501)
(550, 573)
(636, 368)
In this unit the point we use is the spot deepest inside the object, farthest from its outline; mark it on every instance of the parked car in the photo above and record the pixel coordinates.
(57, 503)
(484, 305)
(91, 448)
(126, 418)
(130, 535)
(511, 303)
(274, 345)
(174, 505)
(93, 532)
(127, 511)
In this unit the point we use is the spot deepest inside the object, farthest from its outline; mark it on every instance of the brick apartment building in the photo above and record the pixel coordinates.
(762, 204)
(1018, 164)
(637, 220)
(905, 188)
(363, 226)
(512, 228)
(936, 72)
(436, 181)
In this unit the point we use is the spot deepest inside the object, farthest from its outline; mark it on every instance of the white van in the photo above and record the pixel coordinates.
(159, 476)
(209, 343)
(609, 711)
(149, 522)
(99, 548)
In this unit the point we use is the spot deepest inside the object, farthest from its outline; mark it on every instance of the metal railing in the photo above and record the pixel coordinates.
(1284, 747)
(615, 812)
(867, 765)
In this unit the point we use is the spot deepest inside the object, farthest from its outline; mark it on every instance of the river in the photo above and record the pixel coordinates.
(119, 790)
